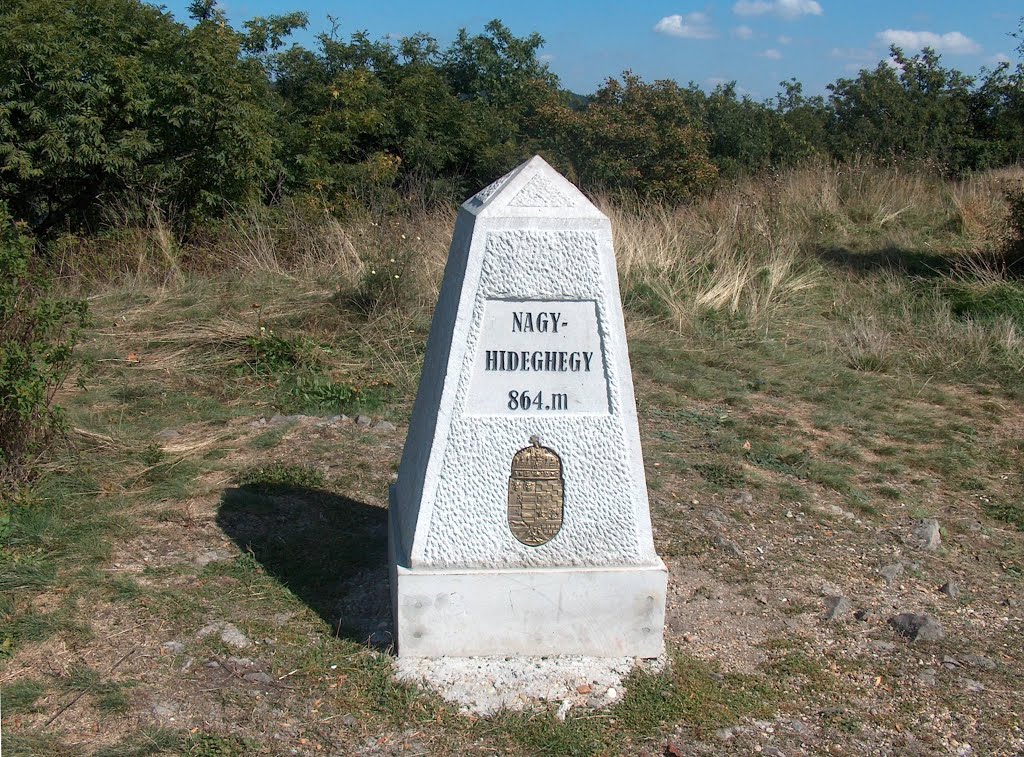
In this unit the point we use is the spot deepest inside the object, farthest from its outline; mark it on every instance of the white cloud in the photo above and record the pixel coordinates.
(546, 58)
(998, 59)
(694, 25)
(784, 40)
(742, 32)
(951, 42)
(785, 8)
(714, 81)
(771, 54)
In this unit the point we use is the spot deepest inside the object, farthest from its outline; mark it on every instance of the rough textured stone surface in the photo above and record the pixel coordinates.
(951, 589)
(891, 572)
(228, 633)
(532, 238)
(980, 661)
(836, 607)
(917, 627)
(928, 535)
(446, 486)
(728, 545)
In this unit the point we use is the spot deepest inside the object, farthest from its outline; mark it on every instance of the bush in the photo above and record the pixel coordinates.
(1013, 252)
(104, 100)
(38, 331)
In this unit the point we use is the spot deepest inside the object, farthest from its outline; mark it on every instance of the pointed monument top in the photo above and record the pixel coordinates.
(532, 189)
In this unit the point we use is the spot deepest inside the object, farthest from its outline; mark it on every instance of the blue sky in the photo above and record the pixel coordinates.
(758, 43)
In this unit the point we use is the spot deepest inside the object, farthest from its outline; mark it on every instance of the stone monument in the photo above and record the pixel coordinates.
(519, 524)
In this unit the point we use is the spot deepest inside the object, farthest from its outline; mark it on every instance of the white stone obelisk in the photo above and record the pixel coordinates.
(519, 524)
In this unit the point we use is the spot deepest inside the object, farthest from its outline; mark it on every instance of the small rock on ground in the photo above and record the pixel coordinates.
(917, 627)
(281, 420)
(164, 711)
(728, 545)
(228, 632)
(891, 572)
(951, 589)
(258, 676)
(980, 661)
(384, 427)
(927, 533)
(364, 420)
(836, 607)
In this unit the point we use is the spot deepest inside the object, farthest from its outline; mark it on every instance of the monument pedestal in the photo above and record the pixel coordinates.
(519, 524)
(596, 612)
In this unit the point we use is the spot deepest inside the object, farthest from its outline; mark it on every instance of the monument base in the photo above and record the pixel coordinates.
(596, 612)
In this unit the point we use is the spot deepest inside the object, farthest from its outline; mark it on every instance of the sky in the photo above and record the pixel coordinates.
(756, 43)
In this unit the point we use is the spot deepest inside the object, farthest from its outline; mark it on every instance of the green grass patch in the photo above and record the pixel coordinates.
(987, 301)
(1006, 511)
(723, 475)
(214, 745)
(282, 476)
(20, 696)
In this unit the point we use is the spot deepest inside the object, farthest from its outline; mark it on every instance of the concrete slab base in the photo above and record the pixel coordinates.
(598, 612)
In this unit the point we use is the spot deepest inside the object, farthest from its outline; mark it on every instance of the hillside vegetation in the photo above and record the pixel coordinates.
(822, 358)
(219, 251)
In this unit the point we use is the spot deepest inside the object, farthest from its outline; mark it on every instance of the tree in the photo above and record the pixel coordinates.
(364, 116)
(38, 331)
(101, 100)
(636, 136)
(906, 109)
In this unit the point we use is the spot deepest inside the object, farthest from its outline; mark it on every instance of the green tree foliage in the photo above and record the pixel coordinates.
(997, 113)
(107, 102)
(748, 137)
(365, 116)
(102, 99)
(38, 331)
(636, 136)
(908, 109)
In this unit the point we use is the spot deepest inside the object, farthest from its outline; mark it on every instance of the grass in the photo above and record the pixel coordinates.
(797, 340)
(282, 476)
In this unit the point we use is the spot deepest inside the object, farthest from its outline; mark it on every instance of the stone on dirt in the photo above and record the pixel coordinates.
(836, 607)
(891, 572)
(951, 589)
(917, 627)
(728, 545)
(927, 533)
(281, 420)
(364, 420)
(228, 632)
(980, 661)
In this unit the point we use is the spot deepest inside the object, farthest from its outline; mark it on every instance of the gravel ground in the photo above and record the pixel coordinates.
(484, 685)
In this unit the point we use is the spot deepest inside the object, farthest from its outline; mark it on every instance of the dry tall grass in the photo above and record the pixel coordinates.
(855, 245)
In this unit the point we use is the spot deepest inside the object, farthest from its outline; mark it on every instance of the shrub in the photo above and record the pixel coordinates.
(101, 100)
(1013, 253)
(38, 331)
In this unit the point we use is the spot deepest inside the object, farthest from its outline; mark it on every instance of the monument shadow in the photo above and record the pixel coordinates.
(901, 260)
(328, 549)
